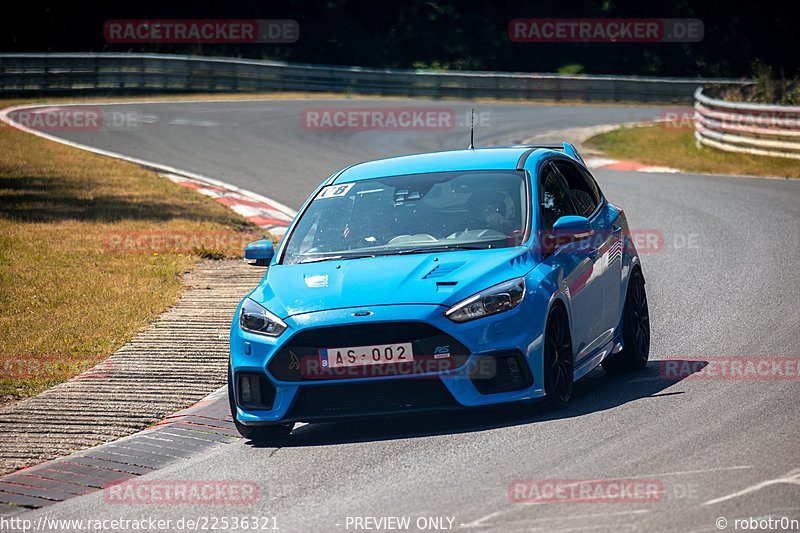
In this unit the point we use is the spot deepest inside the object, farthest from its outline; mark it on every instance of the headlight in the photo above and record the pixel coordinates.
(493, 300)
(254, 318)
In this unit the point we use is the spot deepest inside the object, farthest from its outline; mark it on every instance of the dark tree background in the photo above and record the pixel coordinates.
(440, 33)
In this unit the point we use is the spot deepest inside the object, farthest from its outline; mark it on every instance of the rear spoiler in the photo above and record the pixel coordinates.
(567, 148)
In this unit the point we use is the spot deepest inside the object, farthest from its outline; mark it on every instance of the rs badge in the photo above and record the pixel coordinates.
(441, 352)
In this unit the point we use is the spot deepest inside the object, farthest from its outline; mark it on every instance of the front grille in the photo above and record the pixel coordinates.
(320, 402)
(298, 359)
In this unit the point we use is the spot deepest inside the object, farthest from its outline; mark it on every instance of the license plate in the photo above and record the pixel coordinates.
(378, 354)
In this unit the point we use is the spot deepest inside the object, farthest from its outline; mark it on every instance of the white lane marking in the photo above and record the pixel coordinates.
(792, 478)
(597, 162)
(661, 170)
(703, 471)
(480, 522)
(593, 515)
(164, 168)
(200, 123)
(588, 528)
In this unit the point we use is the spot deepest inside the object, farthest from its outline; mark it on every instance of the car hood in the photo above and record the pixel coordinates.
(434, 278)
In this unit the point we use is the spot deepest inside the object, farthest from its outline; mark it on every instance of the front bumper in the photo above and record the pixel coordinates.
(496, 359)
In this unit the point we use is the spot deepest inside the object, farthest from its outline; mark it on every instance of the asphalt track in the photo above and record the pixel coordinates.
(725, 284)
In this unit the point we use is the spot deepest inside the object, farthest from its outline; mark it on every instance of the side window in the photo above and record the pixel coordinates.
(554, 200)
(584, 192)
(590, 181)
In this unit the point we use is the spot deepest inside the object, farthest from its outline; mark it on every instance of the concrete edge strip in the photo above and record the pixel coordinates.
(270, 214)
(118, 461)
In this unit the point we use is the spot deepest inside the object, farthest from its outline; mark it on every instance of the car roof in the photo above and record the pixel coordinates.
(490, 158)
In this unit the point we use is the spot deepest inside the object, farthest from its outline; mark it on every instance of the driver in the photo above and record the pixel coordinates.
(369, 229)
(488, 210)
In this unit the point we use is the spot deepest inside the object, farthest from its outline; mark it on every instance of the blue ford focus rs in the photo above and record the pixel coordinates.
(438, 281)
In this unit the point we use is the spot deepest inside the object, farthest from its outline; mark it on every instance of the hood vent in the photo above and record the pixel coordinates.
(442, 270)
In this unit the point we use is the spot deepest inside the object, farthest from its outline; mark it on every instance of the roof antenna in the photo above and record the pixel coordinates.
(472, 130)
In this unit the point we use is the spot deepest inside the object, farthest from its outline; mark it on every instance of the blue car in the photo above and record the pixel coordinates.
(438, 281)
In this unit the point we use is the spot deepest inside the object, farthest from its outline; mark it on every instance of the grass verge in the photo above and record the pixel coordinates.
(67, 299)
(674, 147)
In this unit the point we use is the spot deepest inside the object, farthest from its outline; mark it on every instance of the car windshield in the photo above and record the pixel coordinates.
(414, 213)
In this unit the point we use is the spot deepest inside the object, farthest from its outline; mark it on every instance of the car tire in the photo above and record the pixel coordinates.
(558, 359)
(635, 330)
(271, 434)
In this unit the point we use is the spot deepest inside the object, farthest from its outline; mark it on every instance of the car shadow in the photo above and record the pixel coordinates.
(42, 197)
(597, 391)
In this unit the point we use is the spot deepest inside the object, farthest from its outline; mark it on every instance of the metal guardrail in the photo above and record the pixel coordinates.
(758, 129)
(156, 73)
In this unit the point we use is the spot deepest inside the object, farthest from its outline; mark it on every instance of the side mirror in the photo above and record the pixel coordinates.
(259, 253)
(571, 228)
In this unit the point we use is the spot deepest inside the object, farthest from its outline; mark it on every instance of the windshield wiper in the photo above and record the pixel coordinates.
(429, 249)
(445, 248)
(335, 258)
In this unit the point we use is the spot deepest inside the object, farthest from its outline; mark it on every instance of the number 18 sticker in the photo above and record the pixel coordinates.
(334, 191)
